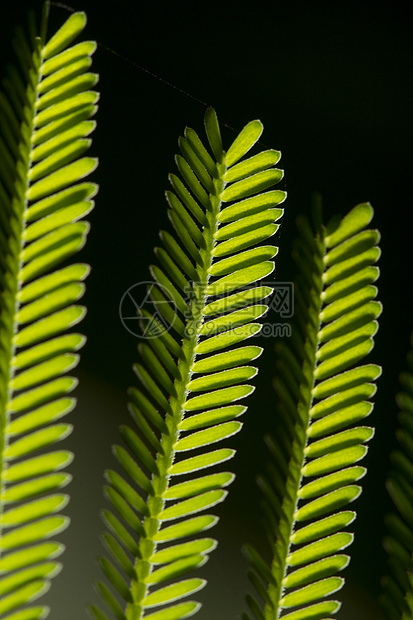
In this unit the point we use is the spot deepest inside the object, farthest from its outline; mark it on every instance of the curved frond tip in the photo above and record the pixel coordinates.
(194, 372)
(323, 396)
(45, 110)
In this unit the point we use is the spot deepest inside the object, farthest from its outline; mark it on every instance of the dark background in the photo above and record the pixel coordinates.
(332, 84)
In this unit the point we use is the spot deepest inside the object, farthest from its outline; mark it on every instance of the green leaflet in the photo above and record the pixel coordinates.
(208, 436)
(396, 597)
(328, 483)
(53, 461)
(177, 552)
(320, 610)
(183, 610)
(201, 502)
(221, 379)
(39, 486)
(193, 369)
(28, 534)
(184, 529)
(218, 397)
(63, 296)
(227, 338)
(227, 360)
(44, 371)
(174, 592)
(322, 568)
(247, 224)
(27, 593)
(327, 525)
(43, 571)
(323, 395)
(33, 510)
(200, 462)
(313, 592)
(38, 553)
(194, 487)
(207, 418)
(44, 127)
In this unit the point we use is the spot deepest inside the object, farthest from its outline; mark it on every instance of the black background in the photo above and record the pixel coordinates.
(332, 84)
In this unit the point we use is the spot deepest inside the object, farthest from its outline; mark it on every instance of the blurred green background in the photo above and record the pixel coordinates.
(332, 84)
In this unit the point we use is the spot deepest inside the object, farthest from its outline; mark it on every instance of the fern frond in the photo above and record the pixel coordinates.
(192, 376)
(397, 597)
(322, 397)
(45, 109)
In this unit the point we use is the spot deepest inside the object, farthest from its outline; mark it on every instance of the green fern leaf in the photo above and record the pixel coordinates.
(45, 111)
(314, 472)
(397, 586)
(192, 374)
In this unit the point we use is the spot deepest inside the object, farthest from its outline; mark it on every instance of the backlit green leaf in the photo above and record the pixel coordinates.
(227, 360)
(253, 205)
(205, 301)
(59, 60)
(313, 592)
(325, 526)
(208, 436)
(256, 183)
(200, 462)
(29, 592)
(176, 612)
(50, 326)
(321, 568)
(183, 550)
(221, 379)
(65, 35)
(211, 417)
(188, 527)
(199, 485)
(41, 416)
(254, 164)
(318, 611)
(33, 510)
(218, 397)
(174, 592)
(52, 461)
(193, 505)
(37, 440)
(62, 178)
(45, 107)
(356, 220)
(45, 528)
(322, 548)
(244, 142)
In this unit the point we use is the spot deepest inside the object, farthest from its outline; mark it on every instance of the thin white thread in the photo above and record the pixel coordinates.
(151, 73)
(60, 5)
(135, 64)
(161, 79)
(158, 77)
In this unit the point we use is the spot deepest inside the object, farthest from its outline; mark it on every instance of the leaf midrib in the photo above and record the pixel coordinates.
(279, 566)
(25, 164)
(164, 461)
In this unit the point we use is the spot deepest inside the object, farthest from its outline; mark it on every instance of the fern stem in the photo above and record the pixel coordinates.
(280, 564)
(164, 460)
(13, 277)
